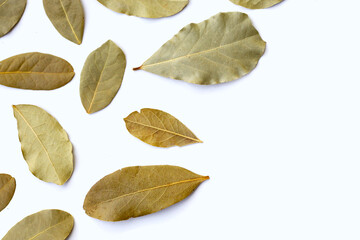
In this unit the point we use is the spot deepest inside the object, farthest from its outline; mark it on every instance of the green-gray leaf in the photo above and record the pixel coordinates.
(256, 4)
(159, 129)
(7, 190)
(11, 12)
(102, 76)
(44, 225)
(67, 16)
(146, 8)
(137, 191)
(44, 143)
(221, 49)
(36, 71)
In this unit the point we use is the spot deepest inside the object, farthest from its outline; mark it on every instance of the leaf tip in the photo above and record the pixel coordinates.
(89, 110)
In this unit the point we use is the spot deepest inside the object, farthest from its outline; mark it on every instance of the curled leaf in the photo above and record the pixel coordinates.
(7, 190)
(102, 76)
(159, 129)
(146, 8)
(44, 143)
(221, 49)
(67, 16)
(36, 71)
(256, 4)
(11, 12)
(137, 191)
(47, 224)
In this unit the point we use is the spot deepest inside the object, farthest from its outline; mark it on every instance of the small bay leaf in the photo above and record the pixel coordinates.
(138, 191)
(146, 8)
(44, 143)
(256, 4)
(67, 16)
(11, 12)
(45, 225)
(159, 129)
(221, 49)
(36, 71)
(7, 190)
(102, 76)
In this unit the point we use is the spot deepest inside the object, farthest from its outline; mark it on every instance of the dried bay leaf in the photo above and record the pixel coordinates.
(44, 143)
(159, 129)
(146, 8)
(45, 225)
(138, 191)
(36, 71)
(256, 4)
(221, 49)
(7, 190)
(102, 76)
(11, 12)
(67, 16)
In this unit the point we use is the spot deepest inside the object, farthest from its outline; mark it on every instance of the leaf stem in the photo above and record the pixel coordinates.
(137, 68)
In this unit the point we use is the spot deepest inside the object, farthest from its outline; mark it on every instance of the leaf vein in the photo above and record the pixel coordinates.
(197, 53)
(164, 130)
(154, 188)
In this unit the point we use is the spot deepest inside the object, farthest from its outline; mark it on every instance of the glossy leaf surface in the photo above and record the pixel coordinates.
(44, 225)
(137, 191)
(221, 49)
(146, 8)
(102, 76)
(36, 71)
(44, 143)
(67, 16)
(7, 190)
(11, 12)
(159, 129)
(256, 4)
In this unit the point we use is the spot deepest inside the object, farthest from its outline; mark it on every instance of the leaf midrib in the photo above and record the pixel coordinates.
(165, 130)
(197, 53)
(98, 83)
(41, 143)
(29, 72)
(68, 20)
(47, 229)
(202, 178)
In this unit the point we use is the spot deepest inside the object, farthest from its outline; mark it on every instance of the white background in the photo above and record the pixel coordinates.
(281, 145)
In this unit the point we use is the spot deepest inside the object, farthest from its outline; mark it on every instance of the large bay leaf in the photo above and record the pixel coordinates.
(102, 76)
(67, 16)
(44, 225)
(221, 49)
(36, 71)
(137, 191)
(44, 143)
(256, 4)
(11, 12)
(146, 8)
(159, 128)
(7, 190)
